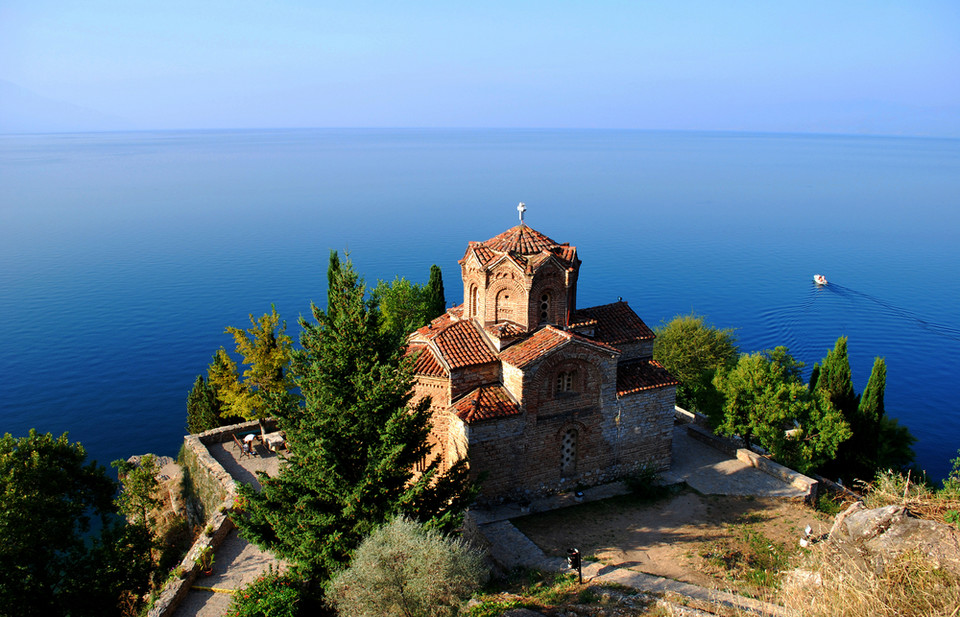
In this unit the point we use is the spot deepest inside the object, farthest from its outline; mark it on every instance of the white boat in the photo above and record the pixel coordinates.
(819, 279)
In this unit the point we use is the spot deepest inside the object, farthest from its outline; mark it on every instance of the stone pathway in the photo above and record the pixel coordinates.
(237, 562)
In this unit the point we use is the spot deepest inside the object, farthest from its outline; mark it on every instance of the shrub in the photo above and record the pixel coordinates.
(404, 569)
(271, 595)
(646, 484)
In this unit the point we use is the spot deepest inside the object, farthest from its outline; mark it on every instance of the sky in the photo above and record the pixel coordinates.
(853, 67)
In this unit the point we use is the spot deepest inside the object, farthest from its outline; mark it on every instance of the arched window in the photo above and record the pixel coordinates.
(545, 302)
(568, 452)
(504, 309)
(474, 300)
(566, 381)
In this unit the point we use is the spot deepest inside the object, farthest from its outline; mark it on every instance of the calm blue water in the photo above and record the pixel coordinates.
(123, 256)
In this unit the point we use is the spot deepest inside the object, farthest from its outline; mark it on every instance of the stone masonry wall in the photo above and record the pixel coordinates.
(466, 379)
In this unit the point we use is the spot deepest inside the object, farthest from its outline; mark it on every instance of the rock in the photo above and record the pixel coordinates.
(874, 537)
(522, 612)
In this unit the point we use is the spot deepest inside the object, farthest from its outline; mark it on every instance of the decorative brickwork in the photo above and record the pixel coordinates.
(541, 396)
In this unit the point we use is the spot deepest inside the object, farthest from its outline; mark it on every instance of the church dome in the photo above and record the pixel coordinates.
(520, 239)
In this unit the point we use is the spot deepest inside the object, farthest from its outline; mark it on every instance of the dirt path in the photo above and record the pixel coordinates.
(668, 537)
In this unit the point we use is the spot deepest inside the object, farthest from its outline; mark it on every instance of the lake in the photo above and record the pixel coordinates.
(123, 256)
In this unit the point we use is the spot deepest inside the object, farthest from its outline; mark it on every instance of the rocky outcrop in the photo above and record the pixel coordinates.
(876, 537)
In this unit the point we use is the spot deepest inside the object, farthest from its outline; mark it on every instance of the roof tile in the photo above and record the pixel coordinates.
(642, 375)
(426, 362)
(486, 403)
(616, 323)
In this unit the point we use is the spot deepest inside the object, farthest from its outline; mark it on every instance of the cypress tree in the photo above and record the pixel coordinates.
(203, 409)
(814, 376)
(437, 304)
(354, 443)
(836, 382)
(871, 402)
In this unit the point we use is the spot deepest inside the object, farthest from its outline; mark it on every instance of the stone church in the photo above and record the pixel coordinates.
(542, 395)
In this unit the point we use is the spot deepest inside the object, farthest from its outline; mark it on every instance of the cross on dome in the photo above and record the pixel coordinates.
(521, 209)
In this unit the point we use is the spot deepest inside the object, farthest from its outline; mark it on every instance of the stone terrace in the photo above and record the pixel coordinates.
(237, 562)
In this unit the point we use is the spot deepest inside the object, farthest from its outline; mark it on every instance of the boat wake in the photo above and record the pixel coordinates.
(893, 310)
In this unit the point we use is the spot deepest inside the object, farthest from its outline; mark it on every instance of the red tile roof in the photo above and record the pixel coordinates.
(486, 403)
(543, 341)
(459, 342)
(505, 329)
(642, 375)
(616, 323)
(520, 239)
(426, 362)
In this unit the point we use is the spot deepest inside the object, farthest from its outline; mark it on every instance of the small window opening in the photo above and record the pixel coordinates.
(565, 381)
(568, 452)
(545, 308)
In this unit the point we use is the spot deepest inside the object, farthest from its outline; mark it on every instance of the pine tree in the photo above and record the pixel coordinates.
(203, 408)
(266, 384)
(354, 443)
(265, 348)
(332, 269)
(437, 304)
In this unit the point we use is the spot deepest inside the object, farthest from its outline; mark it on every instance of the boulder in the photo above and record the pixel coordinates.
(875, 537)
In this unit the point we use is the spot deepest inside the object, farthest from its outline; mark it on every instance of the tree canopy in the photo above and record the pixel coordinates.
(354, 442)
(203, 407)
(878, 442)
(406, 306)
(64, 552)
(694, 352)
(265, 385)
(767, 403)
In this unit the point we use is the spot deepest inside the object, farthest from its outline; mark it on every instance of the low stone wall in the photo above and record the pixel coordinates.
(175, 591)
(791, 477)
(690, 417)
(214, 489)
(757, 461)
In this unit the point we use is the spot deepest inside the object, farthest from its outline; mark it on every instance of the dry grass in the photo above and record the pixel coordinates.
(910, 586)
(919, 499)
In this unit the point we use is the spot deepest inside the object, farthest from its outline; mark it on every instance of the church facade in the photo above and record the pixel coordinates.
(541, 395)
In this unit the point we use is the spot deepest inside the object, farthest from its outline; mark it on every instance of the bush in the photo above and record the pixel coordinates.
(404, 569)
(271, 595)
(646, 484)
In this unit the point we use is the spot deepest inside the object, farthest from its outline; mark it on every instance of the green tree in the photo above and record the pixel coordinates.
(354, 443)
(835, 380)
(406, 570)
(51, 560)
(403, 306)
(767, 403)
(333, 268)
(437, 303)
(883, 443)
(203, 407)
(138, 496)
(694, 352)
(265, 384)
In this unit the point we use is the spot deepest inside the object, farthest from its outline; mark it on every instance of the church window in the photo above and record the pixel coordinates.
(545, 308)
(474, 297)
(565, 381)
(568, 452)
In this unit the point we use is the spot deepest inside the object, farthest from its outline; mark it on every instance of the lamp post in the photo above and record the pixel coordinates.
(573, 560)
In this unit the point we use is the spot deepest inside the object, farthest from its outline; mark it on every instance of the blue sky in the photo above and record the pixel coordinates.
(846, 67)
